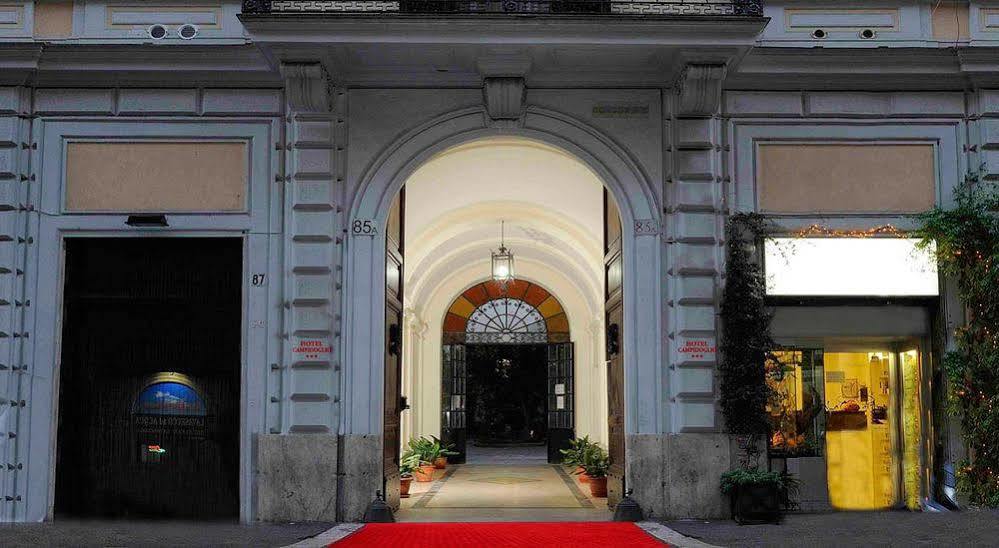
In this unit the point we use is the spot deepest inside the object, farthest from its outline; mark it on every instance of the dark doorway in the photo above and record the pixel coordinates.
(149, 386)
(507, 395)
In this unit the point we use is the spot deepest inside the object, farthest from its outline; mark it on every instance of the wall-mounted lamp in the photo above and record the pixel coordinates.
(147, 220)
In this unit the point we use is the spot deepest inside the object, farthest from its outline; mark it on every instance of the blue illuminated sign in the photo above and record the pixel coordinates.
(169, 398)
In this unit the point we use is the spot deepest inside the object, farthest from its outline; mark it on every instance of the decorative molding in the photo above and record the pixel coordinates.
(417, 325)
(646, 227)
(510, 65)
(307, 86)
(504, 97)
(700, 90)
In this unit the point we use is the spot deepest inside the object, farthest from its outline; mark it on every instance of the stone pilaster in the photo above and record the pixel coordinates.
(18, 230)
(695, 226)
(313, 238)
(297, 464)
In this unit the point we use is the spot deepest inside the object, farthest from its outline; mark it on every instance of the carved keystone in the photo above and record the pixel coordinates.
(504, 97)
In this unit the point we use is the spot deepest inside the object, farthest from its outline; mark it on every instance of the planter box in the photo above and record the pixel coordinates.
(752, 504)
(813, 484)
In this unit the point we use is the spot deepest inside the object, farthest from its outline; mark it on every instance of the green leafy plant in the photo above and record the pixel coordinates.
(746, 349)
(573, 456)
(742, 477)
(424, 449)
(445, 449)
(596, 461)
(409, 462)
(966, 243)
(746, 342)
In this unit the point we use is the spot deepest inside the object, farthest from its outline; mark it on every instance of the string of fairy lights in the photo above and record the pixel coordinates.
(814, 230)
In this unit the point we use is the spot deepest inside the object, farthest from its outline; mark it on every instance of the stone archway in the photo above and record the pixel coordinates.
(365, 259)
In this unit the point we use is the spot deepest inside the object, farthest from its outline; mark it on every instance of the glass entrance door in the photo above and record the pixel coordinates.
(874, 427)
(860, 438)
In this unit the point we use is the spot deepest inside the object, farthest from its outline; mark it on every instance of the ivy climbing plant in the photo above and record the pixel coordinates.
(966, 237)
(746, 341)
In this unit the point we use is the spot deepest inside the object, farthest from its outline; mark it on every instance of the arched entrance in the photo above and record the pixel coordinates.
(508, 370)
(638, 269)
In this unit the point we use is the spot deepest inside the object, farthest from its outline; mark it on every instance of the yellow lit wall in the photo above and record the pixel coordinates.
(859, 462)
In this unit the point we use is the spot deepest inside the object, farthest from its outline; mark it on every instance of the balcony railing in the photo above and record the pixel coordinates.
(745, 8)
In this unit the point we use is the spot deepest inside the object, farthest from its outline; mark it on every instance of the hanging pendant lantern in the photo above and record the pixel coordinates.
(502, 260)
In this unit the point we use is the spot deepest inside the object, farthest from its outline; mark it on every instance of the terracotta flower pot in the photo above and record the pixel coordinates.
(583, 478)
(424, 473)
(598, 487)
(404, 486)
(440, 463)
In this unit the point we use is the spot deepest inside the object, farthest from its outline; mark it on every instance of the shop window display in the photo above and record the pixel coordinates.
(796, 408)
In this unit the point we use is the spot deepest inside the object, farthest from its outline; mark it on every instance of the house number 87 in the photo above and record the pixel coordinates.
(258, 280)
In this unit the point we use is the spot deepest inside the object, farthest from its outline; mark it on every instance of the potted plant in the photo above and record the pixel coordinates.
(748, 372)
(596, 462)
(443, 451)
(755, 495)
(407, 464)
(573, 456)
(423, 451)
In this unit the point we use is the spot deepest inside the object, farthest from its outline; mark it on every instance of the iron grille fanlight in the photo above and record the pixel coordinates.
(502, 263)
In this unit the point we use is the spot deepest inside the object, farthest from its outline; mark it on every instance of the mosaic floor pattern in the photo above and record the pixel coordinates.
(504, 486)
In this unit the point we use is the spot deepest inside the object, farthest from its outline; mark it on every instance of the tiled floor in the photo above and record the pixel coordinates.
(489, 492)
(532, 454)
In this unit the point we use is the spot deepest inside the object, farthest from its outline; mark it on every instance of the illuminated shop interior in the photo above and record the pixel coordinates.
(860, 410)
(849, 381)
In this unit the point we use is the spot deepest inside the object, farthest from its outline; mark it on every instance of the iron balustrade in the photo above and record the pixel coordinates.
(744, 8)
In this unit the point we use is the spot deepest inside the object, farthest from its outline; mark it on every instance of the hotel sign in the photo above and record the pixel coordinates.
(704, 349)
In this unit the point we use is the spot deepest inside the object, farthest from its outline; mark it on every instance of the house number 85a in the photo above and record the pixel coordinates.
(363, 227)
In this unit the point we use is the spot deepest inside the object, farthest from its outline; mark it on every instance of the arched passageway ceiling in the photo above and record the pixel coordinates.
(505, 169)
(474, 267)
(532, 232)
(524, 220)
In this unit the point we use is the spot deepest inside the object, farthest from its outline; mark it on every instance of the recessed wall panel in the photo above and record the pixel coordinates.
(166, 177)
(845, 178)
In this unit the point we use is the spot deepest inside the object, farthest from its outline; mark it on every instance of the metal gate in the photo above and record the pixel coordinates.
(150, 378)
(453, 399)
(561, 406)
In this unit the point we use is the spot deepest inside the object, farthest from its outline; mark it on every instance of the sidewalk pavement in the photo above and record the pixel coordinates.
(155, 533)
(843, 529)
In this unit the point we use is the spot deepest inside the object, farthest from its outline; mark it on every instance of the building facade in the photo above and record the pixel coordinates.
(273, 138)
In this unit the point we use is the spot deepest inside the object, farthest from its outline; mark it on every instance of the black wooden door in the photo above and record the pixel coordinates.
(454, 401)
(394, 403)
(614, 322)
(561, 402)
(149, 386)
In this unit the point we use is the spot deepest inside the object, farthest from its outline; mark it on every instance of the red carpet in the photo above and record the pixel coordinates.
(499, 535)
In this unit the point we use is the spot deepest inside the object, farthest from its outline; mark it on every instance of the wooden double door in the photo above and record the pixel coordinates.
(614, 337)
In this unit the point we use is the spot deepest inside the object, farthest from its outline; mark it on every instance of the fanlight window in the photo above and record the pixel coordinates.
(517, 312)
